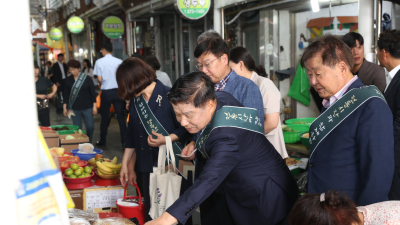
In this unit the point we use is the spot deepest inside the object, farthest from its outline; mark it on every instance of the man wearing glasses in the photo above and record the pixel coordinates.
(212, 55)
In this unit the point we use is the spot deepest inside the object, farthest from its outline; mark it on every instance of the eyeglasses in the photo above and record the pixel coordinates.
(207, 65)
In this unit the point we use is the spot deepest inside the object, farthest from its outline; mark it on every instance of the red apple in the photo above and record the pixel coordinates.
(76, 158)
(65, 164)
(98, 156)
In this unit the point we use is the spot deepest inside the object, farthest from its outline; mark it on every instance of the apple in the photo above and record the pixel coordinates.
(92, 161)
(76, 158)
(98, 157)
(60, 151)
(65, 155)
(65, 164)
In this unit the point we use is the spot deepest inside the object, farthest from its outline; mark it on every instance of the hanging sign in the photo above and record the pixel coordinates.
(113, 27)
(193, 9)
(75, 24)
(55, 34)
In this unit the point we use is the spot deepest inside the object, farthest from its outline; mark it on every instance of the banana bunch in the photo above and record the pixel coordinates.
(108, 168)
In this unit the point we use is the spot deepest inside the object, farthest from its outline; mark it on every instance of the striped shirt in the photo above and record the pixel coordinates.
(220, 86)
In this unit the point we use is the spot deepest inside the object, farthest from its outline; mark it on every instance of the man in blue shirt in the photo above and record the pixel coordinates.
(105, 69)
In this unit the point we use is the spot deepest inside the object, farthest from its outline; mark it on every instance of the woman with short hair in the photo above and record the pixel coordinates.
(80, 98)
(242, 62)
(42, 84)
(88, 70)
(137, 83)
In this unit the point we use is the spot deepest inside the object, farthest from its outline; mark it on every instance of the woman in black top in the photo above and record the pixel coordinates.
(42, 97)
(84, 105)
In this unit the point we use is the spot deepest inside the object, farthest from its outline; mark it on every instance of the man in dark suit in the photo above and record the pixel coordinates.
(351, 143)
(388, 52)
(60, 70)
(369, 73)
(258, 185)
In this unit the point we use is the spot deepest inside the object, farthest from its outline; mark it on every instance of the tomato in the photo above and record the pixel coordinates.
(78, 172)
(88, 170)
(81, 163)
(69, 171)
(72, 176)
(74, 166)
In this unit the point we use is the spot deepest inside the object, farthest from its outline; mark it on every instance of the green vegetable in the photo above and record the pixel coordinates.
(69, 137)
(79, 131)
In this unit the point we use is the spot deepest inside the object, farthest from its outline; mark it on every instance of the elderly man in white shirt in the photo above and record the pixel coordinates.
(105, 69)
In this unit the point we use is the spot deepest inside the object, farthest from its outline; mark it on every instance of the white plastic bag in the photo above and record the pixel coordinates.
(164, 186)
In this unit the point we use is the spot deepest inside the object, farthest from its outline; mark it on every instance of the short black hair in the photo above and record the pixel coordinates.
(107, 46)
(49, 63)
(351, 39)
(60, 55)
(216, 46)
(153, 62)
(137, 55)
(193, 88)
(390, 41)
(73, 63)
(238, 54)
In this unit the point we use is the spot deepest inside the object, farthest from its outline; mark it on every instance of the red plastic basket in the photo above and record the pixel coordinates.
(81, 163)
(78, 180)
(133, 211)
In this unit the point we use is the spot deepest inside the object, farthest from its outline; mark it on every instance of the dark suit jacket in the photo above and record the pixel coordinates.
(392, 96)
(258, 185)
(57, 75)
(146, 156)
(357, 156)
(372, 74)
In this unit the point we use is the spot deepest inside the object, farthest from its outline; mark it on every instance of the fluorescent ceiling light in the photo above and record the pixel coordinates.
(314, 5)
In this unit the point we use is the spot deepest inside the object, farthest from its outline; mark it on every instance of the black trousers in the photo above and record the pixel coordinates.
(214, 210)
(394, 193)
(44, 117)
(109, 97)
(59, 101)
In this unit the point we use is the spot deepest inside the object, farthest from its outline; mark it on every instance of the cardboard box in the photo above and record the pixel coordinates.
(69, 145)
(102, 199)
(52, 138)
(77, 197)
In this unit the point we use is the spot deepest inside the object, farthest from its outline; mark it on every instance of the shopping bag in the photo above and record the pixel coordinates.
(98, 103)
(165, 186)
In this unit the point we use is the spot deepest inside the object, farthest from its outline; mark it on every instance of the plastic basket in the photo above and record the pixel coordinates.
(293, 137)
(84, 156)
(133, 211)
(304, 141)
(307, 121)
(71, 129)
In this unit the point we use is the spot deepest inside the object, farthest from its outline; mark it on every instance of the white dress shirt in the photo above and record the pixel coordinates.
(392, 73)
(164, 78)
(106, 68)
(62, 70)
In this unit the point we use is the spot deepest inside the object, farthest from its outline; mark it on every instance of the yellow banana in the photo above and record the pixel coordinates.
(114, 161)
(103, 167)
(102, 172)
(112, 166)
(99, 172)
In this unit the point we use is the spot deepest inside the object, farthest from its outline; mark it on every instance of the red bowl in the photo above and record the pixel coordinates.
(106, 183)
(73, 186)
(81, 163)
(78, 180)
(103, 215)
(63, 158)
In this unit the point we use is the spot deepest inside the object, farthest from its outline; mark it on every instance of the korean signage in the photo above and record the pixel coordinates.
(75, 24)
(113, 27)
(55, 34)
(193, 9)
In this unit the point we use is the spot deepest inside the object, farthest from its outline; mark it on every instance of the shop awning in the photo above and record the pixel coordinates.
(42, 47)
(320, 22)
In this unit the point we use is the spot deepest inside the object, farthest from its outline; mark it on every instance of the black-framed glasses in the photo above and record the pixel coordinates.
(207, 65)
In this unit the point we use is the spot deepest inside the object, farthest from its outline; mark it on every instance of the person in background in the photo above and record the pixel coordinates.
(213, 59)
(337, 208)
(49, 70)
(351, 142)
(83, 104)
(388, 53)
(42, 84)
(136, 79)
(105, 70)
(88, 70)
(242, 62)
(369, 73)
(60, 73)
(153, 62)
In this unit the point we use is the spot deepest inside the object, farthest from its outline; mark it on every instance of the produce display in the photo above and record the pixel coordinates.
(287, 129)
(299, 122)
(291, 161)
(70, 137)
(78, 172)
(59, 151)
(60, 128)
(73, 160)
(108, 168)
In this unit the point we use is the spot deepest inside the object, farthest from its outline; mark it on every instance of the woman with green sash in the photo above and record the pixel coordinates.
(151, 118)
(80, 98)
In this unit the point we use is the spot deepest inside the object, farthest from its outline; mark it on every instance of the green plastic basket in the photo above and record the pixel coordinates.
(304, 141)
(293, 137)
(307, 121)
(72, 129)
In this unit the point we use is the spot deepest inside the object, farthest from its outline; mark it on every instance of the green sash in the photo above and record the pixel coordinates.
(75, 89)
(151, 123)
(230, 116)
(338, 112)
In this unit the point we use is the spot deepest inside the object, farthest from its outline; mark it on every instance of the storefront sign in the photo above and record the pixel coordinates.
(75, 24)
(55, 34)
(113, 27)
(193, 9)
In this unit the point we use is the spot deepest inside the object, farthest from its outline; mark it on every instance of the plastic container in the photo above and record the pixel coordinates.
(304, 141)
(293, 137)
(103, 215)
(73, 186)
(71, 129)
(86, 157)
(78, 180)
(106, 183)
(133, 211)
(307, 121)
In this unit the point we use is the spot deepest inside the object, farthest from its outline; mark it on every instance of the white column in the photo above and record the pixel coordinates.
(217, 20)
(366, 24)
(19, 115)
